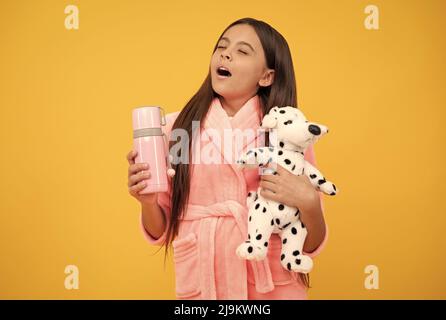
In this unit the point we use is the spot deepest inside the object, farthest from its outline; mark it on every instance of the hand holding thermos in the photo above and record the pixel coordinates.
(138, 174)
(149, 163)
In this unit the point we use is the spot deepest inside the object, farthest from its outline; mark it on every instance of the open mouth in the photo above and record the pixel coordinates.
(223, 72)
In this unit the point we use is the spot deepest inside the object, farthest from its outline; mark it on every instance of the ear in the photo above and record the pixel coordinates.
(267, 78)
(269, 122)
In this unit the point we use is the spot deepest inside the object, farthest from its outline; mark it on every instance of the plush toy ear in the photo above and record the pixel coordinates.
(269, 121)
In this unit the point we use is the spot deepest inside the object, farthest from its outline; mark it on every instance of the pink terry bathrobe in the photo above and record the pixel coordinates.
(215, 221)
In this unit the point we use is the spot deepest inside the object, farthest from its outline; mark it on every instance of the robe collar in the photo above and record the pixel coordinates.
(248, 117)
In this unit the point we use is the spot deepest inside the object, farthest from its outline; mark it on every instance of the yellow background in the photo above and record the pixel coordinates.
(66, 99)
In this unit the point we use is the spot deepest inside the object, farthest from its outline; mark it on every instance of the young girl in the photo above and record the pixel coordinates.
(204, 213)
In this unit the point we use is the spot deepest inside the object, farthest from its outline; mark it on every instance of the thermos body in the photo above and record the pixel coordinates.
(149, 142)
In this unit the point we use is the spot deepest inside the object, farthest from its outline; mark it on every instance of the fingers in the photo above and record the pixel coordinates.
(135, 168)
(137, 174)
(269, 194)
(133, 190)
(131, 156)
(268, 185)
(138, 177)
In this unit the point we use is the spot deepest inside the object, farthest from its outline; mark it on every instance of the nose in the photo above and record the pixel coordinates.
(225, 55)
(314, 129)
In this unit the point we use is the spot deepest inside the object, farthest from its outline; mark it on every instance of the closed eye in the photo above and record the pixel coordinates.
(221, 47)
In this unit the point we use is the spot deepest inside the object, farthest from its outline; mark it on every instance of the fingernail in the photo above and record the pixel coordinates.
(146, 165)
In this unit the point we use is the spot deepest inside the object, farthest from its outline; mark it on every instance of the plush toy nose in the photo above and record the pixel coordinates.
(314, 129)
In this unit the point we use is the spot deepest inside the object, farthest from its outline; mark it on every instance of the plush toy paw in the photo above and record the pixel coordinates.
(298, 263)
(250, 251)
(248, 159)
(327, 187)
(257, 157)
(318, 180)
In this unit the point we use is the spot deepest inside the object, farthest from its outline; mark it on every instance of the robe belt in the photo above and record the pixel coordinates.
(208, 216)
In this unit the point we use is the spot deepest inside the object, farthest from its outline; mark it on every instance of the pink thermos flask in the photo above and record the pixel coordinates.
(150, 142)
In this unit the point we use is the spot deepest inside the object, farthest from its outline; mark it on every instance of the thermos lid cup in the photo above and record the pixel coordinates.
(148, 117)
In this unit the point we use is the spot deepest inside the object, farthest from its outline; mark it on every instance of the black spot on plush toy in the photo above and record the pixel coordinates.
(290, 134)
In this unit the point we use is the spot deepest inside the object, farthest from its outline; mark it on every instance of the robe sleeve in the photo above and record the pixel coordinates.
(163, 197)
(310, 157)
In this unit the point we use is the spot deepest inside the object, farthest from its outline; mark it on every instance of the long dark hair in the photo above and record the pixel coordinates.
(282, 92)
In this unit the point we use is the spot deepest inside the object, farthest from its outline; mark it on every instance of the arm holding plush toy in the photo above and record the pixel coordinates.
(295, 182)
(297, 191)
(292, 190)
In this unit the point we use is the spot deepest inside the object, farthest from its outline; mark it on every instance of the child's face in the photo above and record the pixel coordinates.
(245, 61)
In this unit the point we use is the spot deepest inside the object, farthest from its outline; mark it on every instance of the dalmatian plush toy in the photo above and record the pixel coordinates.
(290, 134)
